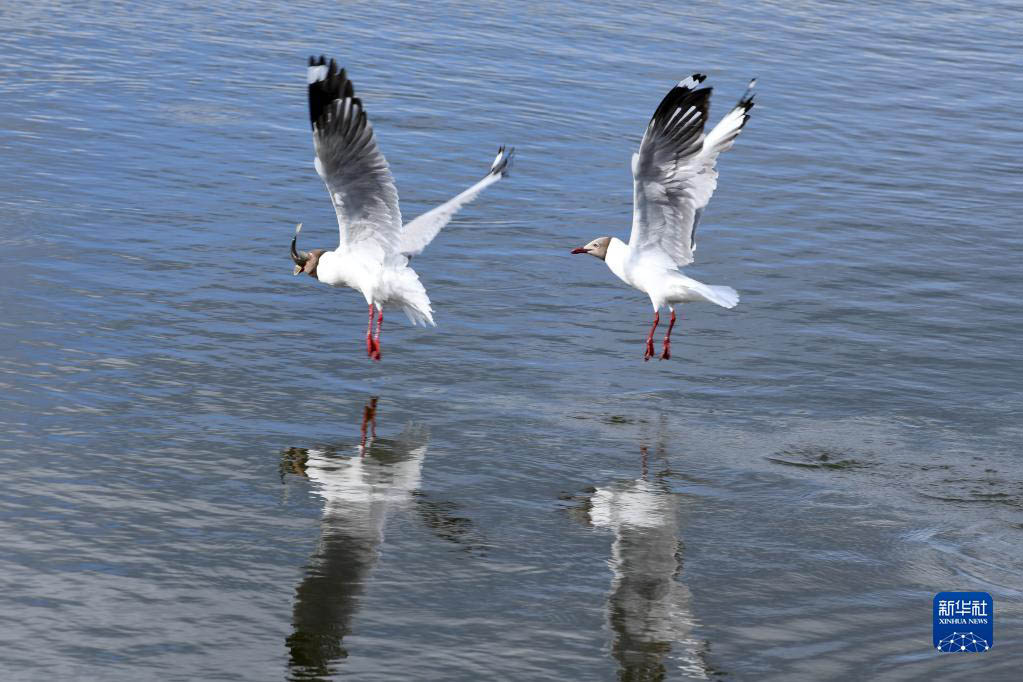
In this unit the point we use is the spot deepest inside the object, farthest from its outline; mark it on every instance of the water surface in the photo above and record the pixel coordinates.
(188, 492)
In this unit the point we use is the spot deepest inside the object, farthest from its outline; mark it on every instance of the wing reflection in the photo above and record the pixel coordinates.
(360, 488)
(649, 608)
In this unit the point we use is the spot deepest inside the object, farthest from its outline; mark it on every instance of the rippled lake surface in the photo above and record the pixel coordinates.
(185, 494)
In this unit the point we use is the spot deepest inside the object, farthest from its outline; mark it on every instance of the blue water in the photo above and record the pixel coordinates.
(184, 493)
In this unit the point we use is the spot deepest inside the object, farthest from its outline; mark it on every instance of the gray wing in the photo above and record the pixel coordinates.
(421, 231)
(673, 172)
(351, 165)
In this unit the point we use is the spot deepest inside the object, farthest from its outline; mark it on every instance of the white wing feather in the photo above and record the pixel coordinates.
(673, 172)
(348, 160)
(418, 233)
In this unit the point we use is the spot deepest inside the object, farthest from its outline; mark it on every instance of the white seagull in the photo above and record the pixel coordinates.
(673, 179)
(374, 250)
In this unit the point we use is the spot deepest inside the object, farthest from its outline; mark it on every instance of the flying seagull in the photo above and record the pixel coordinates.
(673, 178)
(374, 250)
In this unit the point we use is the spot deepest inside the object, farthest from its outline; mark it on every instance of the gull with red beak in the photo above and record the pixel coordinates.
(673, 178)
(373, 254)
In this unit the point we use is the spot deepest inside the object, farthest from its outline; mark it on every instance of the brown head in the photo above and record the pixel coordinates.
(597, 248)
(305, 261)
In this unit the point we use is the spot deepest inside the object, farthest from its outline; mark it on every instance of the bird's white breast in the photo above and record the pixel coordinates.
(617, 259)
(340, 269)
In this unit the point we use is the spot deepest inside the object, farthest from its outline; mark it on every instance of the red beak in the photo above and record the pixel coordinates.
(580, 250)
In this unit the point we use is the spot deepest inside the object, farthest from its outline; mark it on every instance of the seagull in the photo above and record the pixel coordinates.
(673, 178)
(374, 250)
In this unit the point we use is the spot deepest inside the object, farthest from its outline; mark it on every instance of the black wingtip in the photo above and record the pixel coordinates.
(504, 168)
(502, 164)
(333, 86)
(682, 97)
(696, 78)
(746, 101)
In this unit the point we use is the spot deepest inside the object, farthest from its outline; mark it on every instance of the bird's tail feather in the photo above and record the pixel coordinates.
(419, 315)
(726, 297)
(722, 296)
(413, 299)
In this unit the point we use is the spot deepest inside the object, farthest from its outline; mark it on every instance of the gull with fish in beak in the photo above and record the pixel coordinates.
(673, 178)
(373, 254)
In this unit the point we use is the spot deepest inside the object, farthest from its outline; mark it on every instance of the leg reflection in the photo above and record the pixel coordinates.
(369, 416)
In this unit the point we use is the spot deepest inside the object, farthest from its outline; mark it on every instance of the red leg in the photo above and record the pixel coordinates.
(376, 340)
(666, 354)
(369, 416)
(650, 337)
(369, 333)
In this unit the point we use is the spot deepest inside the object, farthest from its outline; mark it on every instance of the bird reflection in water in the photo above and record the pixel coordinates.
(648, 608)
(361, 486)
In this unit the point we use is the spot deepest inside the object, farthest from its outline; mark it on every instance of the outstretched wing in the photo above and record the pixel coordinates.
(421, 231)
(350, 163)
(673, 172)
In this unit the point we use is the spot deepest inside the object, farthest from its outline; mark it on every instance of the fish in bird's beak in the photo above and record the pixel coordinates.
(581, 249)
(300, 257)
